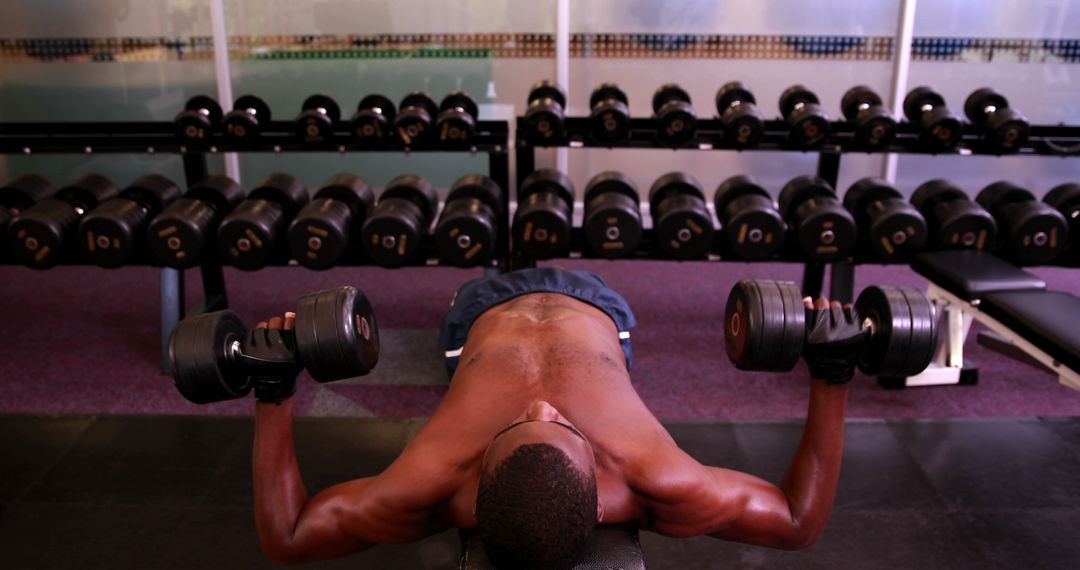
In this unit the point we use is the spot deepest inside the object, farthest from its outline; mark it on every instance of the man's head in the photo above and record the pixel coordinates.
(537, 504)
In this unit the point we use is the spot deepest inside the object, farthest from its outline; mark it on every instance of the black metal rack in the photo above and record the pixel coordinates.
(491, 138)
(1043, 140)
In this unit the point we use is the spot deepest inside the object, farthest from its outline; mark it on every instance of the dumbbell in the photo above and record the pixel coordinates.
(23, 192)
(322, 232)
(744, 125)
(315, 123)
(38, 236)
(889, 227)
(955, 222)
(248, 235)
(765, 328)
(373, 122)
(545, 119)
(334, 336)
(749, 216)
(198, 120)
(1065, 198)
(1030, 232)
(818, 222)
(179, 234)
(609, 114)
(808, 122)
(612, 221)
(401, 218)
(19, 194)
(544, 214)
(469, 225)
(457, 119)
(1005, 129)
(115, 230)
(416, 119)
(939, 128)
(683, 226)
(875, 126)
(249, 115)
(674, 114)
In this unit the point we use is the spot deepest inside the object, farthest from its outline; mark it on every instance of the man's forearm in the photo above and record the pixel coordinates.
(279, 489)
(811, 479)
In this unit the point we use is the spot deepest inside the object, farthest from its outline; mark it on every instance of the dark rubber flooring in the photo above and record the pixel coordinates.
(175, 492)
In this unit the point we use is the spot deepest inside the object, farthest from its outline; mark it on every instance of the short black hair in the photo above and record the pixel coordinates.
(536, 509)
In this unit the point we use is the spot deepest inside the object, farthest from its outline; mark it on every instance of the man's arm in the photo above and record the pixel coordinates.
(342, 519)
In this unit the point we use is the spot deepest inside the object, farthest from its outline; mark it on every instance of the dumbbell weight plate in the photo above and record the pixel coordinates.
(200, 350)
(903, 331)
(976, 103)
(336, 334)
(764, 325)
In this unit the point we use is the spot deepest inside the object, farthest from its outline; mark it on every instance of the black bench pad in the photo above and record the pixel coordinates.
(971, 274)
(612, 547)
(1048, 319)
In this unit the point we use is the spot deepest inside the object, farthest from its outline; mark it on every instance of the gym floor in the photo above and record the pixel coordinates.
(175, 492)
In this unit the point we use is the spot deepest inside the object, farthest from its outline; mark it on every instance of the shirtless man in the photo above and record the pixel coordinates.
(541, 435)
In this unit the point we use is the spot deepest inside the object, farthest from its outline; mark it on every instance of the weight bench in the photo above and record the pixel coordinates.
(612, 547)
(971, 286)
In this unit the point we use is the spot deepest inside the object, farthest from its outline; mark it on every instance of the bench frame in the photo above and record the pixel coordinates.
(947, 367)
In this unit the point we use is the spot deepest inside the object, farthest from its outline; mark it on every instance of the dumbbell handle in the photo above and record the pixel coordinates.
(273, 356)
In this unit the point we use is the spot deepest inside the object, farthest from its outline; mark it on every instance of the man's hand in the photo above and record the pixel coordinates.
(271, 350)
(834, 341)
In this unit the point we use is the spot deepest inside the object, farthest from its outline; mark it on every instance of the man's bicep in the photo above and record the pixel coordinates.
(751, 510)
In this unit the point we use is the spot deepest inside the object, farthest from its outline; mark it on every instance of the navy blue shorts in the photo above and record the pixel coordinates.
(479, 295)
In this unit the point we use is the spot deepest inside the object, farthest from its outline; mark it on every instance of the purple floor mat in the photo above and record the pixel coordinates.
(85, 340)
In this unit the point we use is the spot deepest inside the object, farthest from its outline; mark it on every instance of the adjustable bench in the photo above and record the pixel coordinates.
(968, 285)
(612, 547)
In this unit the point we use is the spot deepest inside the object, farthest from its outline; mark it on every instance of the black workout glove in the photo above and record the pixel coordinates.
(270, 359)
(834, 343)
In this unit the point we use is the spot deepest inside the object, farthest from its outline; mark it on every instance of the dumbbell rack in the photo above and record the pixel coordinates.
(491, 138)
(1046, 140)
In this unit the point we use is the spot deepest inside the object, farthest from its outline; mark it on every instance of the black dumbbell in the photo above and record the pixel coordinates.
(249, 116)
(875, 126)
(818, 222)
(114, 231)
(19, 194)
(1030, 232)
(808, 122)
(318, 115)
(334, 336)
(545, 119)
(750, 218)
(939, 128)
(469, 225)
(394, 230)
(1005, 128)
(544, 214)
(1065, 198)
(683, 226)
(322, 232)
(179, 234)
(744, 125)
(609, 114)
(954, 220)
(674, 114)
(612, 221)
(415, 120)
(889, 227)
(199, 119)
(373, 122)
(457, 119)
(248, 236)
(765, 328)
(39, 235)
(23, 192)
